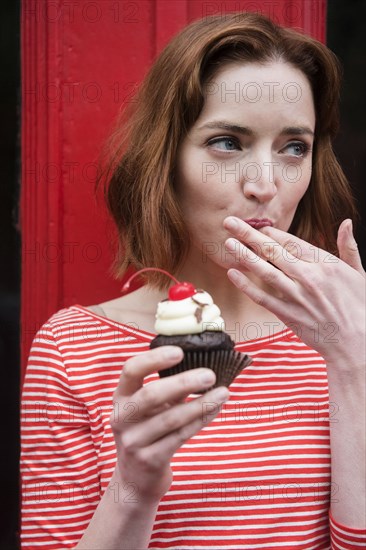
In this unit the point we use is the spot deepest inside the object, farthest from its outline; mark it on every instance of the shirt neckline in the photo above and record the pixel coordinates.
(125, 328)
(148, 336)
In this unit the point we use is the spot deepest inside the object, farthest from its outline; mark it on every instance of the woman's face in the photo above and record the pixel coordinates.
(249, 154)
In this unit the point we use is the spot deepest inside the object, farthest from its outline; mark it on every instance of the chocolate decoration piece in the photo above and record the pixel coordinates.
(198, 314)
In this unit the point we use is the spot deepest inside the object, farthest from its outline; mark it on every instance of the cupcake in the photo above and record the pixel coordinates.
(188, 318)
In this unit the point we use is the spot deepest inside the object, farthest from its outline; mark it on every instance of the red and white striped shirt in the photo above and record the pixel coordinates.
(257, 477)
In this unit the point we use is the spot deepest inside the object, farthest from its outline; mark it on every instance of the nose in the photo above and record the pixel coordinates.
(259, 181)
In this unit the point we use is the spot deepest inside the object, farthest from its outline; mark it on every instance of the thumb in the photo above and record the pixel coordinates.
(347, 246)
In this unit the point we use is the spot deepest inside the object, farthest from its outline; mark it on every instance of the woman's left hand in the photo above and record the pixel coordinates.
(318, 295)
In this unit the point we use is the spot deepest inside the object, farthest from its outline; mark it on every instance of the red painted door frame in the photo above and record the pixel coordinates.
(81, 62)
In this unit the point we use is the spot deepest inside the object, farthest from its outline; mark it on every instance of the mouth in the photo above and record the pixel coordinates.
(258, 223)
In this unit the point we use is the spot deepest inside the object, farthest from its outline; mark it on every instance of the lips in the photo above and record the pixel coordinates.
(258, 223)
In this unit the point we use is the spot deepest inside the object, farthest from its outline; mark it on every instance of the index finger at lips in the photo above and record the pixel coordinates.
(139, 366)
(283, 255)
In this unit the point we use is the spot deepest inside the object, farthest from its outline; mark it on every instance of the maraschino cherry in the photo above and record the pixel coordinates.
(179, 291)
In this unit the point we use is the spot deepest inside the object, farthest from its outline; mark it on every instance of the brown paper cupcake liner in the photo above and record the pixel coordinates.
(226, 364)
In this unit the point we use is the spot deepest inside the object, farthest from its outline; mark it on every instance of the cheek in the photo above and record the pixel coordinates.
(189, 182)
(297, 174)
(298, 179)
(206, 194)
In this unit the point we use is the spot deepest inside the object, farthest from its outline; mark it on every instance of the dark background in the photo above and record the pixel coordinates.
(345, 36)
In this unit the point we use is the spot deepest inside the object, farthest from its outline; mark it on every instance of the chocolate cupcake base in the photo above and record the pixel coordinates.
(227, 365)
(210, 349)
(207, 340)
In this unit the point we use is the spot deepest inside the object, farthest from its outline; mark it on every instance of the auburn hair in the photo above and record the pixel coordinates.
(140, 173)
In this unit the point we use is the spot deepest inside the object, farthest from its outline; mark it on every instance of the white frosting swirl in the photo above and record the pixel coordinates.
(188, 316)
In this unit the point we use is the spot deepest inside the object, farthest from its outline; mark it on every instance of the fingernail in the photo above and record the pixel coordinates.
(235, 276)
(207, 377)
(231, 244)
(231, 223)
(173, 353)
(222, 394)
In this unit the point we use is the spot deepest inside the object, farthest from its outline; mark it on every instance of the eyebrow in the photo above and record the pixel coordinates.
(297, 130)
(223, 125)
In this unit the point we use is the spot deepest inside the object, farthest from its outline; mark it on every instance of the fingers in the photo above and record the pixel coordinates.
(259, 296)
(135, 401)
(173, 389)
(136, 368)
(181, 421)
(347, 246)
(261, 268)
(262, 245)
(276, 246)
(150, 399)
(150, 422)
(209, 408)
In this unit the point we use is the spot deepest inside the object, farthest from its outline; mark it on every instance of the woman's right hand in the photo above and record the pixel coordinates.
(151, 422)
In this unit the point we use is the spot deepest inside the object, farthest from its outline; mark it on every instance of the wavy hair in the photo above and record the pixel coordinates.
(140, 174)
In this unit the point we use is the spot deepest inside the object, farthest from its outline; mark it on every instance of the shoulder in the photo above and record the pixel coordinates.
(60, 329)
(64, 317)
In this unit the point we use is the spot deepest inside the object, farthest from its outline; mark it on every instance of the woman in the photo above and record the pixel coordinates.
(229, 181)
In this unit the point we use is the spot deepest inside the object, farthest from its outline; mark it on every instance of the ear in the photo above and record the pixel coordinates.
(347, 246)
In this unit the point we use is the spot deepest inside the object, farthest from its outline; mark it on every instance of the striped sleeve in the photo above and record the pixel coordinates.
(60, 483)
(346, 538)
